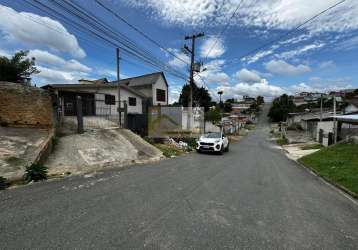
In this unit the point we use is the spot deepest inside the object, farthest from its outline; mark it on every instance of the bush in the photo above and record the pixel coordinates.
(295, 126)
(3, 183)
(35, 172)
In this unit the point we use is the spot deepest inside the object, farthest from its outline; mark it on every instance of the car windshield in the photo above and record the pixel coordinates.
(212, 135)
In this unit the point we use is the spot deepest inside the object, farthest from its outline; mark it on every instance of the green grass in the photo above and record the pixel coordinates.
(338, 163)
(250, 126)
(168, 151)
(282, 141)
(312, 146)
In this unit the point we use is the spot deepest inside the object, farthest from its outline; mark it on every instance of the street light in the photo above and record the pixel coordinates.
(220, 92)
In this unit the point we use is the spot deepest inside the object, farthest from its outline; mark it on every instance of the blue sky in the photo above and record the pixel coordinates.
(320, 56)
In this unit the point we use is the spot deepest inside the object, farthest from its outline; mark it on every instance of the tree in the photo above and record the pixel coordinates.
(201, 97)
(280, 108)
(260, 100)
(227, 107)
(213, 115)
(17, 68)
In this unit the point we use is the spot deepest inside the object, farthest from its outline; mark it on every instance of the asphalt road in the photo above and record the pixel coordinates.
(250, 198)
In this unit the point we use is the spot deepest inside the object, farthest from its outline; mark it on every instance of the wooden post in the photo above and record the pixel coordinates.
(125, 112)
(79, 115)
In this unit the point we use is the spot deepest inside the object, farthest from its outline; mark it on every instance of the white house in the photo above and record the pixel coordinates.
(100, 97)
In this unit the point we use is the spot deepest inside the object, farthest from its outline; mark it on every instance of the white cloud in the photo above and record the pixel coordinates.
(5, 53)
(259, 55)
(247, 76)
(296, 52)
(281, 67)
(38, 30)
(214, 73)
(180, 61)
(348, 44)
(49, 76)
(47, 58)
(260, 88)
(272, 14)
(212, 47)
(327, 65)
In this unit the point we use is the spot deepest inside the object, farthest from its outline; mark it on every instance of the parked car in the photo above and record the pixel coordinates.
(213, 142)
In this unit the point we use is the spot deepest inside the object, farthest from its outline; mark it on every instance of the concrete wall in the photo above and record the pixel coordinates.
(25, 106)
(100, 93)
(327, 127)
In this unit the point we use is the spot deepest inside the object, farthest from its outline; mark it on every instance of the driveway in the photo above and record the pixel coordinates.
(250, 198)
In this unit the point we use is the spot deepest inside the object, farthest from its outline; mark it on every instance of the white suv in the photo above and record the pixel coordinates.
(213, 142)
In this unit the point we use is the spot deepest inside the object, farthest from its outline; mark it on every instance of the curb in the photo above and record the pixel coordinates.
(347, 193)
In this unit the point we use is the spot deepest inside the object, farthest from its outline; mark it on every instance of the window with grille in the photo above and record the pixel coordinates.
(132, 101)
(161, 95)
(110, 99)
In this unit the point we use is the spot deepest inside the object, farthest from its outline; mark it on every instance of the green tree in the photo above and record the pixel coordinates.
(227, 107)
(213, 115)
(201, 97)
(17, 68)
(260, 100)
(280, 108)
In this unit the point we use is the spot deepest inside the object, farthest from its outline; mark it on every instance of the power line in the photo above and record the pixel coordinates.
(111, 38)
(290, 32)
(224, 29)
(140, 32)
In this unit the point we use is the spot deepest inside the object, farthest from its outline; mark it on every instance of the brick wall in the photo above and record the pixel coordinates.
(25, 106)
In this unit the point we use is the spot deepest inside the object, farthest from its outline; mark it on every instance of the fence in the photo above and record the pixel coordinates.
(177, 122)
(90, 113)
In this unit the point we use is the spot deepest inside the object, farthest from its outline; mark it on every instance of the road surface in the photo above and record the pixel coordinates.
(250, 198)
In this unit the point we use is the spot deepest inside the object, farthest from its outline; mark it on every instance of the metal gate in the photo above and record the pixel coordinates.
(137, 123)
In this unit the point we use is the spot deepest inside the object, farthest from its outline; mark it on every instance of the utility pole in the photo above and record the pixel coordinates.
(321, 110)
(334, 118)
(119, 88)
(192, 64)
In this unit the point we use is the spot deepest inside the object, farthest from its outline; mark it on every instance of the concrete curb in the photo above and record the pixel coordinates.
(347, 193)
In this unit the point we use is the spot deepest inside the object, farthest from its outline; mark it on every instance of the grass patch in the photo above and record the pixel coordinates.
(282, 141)
(169, 151)
(250, 126)
(35, 172)
(338, 163)
(312, 146)
(12, 160)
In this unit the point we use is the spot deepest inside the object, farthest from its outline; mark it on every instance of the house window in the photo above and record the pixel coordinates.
(132, 101)
(109, 99)
(161, 95)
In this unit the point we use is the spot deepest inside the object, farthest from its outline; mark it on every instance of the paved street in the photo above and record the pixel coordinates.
(250, 198)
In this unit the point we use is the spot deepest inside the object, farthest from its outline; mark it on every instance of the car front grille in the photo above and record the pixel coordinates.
(206, 144)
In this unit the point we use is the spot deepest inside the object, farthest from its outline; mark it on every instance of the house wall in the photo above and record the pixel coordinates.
(100, 95)
(326, 126)
(160, 84)
(25, 106)
(350, 109)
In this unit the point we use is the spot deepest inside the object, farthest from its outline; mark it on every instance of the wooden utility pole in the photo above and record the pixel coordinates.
(321, 110)
(119, 88)
(192, 63)
(335, 118)
(191, 80)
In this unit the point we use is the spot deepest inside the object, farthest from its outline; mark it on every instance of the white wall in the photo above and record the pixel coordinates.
(100, 92)
(327, 127)
(160, 84)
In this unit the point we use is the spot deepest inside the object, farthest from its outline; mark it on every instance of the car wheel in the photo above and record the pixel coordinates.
(221, 150)
(227, 148)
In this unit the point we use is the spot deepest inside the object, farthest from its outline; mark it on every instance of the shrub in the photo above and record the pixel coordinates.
(295, 126)
(3, 183)
(35, 172)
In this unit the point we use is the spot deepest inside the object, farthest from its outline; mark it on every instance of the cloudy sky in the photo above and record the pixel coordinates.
(319, 56)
